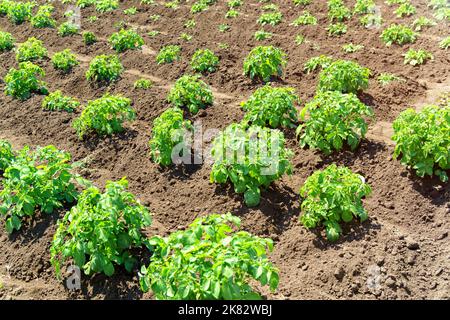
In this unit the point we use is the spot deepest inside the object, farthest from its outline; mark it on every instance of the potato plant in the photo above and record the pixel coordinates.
(322, 61)
(38, 180)
(405, 9)
(306, 18)
(190, 92)
(214, 261)
(264, 62)
(65, 60)
(7, 155)
(423, 140)
(271, 18)
(169, 131)
(345, 76)
(337, 11)
(21, 83)
(106, 5)
(19, 12)
(336, 29)
(399, 34)
(89, 38)
(104, 116)
(68, 29)
(301, 2)
(126, 40)
(364, 7)
(445, 43)
(331, 196)
(6, 41)
(31, 50)
(261, 35)
(417, 57)
(250, 157)
(101, 230)
(386, 78)
(204, 60)
(57, 101)
(43, 17)
(422, 22)
(104, 68)
(351, 48)
(168, 54)
(274, 107)
(331, 119)
(142, 84)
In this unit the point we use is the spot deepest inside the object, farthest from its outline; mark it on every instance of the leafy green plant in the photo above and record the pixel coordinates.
(39, 180)
(417, 57)
(306, 18)
(250, 157)
(168, 54)
(364, 7)
(386, 78)
(57, 101)
(264, 62)
(423, 140)
(350, 48)
(234, 3)
(190, 92)
(405, 9)
(199, 6)
(169, 131)
(130, 11)
(64, 60)
(89, 38)
(105, 115)
(106, 5)
(126, 40)
(190, 24)
(301, 2)
(262, 35)
(422, 22)
(6, 41)
(333, 195)
(85, 3)
(272, 18)
(344, 76)
(104, 68)
(398, 34)
(337, 10)
(270, 7)
(337, 29)
(174, 4)
(212, 260)
(204, 60)
(322, 61)
(153, 33)
(442, 14)
(445, 43)
(101, 230)
(392, 2)
(19, 12)
(271, 106)
(7, 155)
(331, 119)
(300, 39)
(31, 50)
(23, 82)
(43, 17)
(142, 84)
(223, 27)
(185, 36)
(92, 19)
(68, 29)
(371, 20)
(232, 14)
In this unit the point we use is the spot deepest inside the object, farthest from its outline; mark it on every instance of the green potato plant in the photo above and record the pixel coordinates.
(168, 54)
(405, 9)
(104, 68)
(271, 106)
(333, 195)
(386, 78)
(417, 57)
(6, 41)
(322, 61)
(190, 92)
(261, 35)
(38, 180)
(68, 29)
(7, 155)
(306, 18)
(21, 83)
(19, 12)
(89, 38)
(445, 43)
(422, 22)
(204, 60)
(331, 119)
(337, 11)
(250, 157)
(143, 84)
(271, 18)
(105, 115)
(65, 60)
(264, 62)
(31, 50)
(43, 17)
(101, 230)
(169, 130)
(126, 40)
(337, 29)
(423, 140)
(106, 5)
(211, 260)
(57, 101)
(364, 7)
(345, 76)
(399, 34)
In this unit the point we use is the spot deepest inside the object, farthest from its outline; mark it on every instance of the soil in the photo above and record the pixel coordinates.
(401, 252)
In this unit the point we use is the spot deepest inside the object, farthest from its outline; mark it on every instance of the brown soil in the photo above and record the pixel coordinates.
(403, 249)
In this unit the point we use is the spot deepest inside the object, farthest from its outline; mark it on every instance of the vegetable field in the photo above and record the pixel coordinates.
(337, 114)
